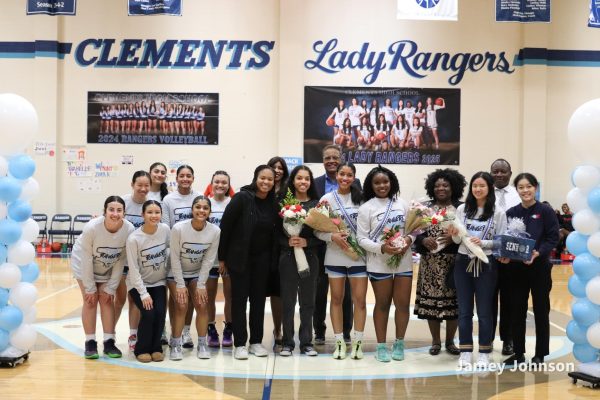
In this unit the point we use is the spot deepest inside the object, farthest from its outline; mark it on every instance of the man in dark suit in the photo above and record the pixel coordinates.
(332, 157)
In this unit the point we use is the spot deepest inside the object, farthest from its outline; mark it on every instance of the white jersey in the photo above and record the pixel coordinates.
(340, 116)
(416, 131)
(99, 255)
(334, 255)
(409, 114)
(217, 208)
(354, 113)
(365, 131)
(154, 196)
(177, 207)
(133, 211)
(400, 132)
(193, 252)
(370, 216)
(388, 113)
(373, 116)
(147, 259)
(432, 115)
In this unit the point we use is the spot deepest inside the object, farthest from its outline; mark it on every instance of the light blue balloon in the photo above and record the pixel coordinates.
(593, 200)
(4, 339)
(19, 210)
(31, 271)
(10, 189)
(10, 231)
(585, 313)
(3, 253)
(4, 295)
(21, 166)
(577, 243)
(585, 353)
(10, 318)
(586, 266)
(576, 334)
(576, 286)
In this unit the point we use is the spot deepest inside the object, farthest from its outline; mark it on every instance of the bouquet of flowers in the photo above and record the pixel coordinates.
(293, 218)
(417, 219)
(322, 218)
(443, 218)
(466, 240)
(393, 237)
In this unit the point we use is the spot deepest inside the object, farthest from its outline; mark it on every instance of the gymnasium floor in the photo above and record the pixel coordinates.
(56, 368)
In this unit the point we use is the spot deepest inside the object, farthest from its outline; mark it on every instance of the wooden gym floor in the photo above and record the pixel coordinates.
(57, 370)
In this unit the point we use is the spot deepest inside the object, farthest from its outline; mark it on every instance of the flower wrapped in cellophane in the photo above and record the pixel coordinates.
(293, 218)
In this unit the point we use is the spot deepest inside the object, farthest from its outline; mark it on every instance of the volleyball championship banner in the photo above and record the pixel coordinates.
(522, 10)
(51, 7)
(594, 18)
(383, 125)
(153, 118)
(443, 10)
(154, 7)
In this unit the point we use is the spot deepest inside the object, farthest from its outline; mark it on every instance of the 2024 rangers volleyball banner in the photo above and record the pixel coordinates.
(383, 125)
(153, 118)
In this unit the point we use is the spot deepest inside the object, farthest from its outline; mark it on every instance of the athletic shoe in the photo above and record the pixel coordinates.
(131, 342)
(213, 336)
(382, 354)
(507, 348)
(111, 350)
(340, 350)
(356, 353)
(176, 353)
(144, 358)
(483, 361)
(203, 352)
(258, 350)
(309, 351)
(286, 351)
(91, 350)
(187, 340)
(240, 353)
(398, 350)
(465, 359)
(157, 356)
(227, 335)
(163, 339)
(319, 340)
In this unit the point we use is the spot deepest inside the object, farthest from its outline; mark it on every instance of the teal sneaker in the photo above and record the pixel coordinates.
(382, 354)
(398, 350)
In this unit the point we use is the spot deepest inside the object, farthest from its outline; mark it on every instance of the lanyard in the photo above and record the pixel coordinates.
(343, 210)
(487, 227)
(379, 227)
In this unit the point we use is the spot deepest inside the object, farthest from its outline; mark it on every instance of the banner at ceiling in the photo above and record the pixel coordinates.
(443, 10)
(594, 18)
(522, 10)
(153, 118)
(383, 125)
(154, 7)
(51, 7)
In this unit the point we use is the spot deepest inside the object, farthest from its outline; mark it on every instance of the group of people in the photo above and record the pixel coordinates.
(152, 240)
(367, 126)
(171, 118)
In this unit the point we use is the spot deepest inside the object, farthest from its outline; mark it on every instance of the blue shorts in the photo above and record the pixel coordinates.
(187, 281)
(334, 271)
(378, 276)
(214, 273)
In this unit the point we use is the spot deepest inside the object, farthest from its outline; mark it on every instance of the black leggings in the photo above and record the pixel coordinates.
(152, 322)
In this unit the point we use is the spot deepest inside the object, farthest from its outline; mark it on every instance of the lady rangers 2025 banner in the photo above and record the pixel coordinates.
(153, 118)
(383, 125)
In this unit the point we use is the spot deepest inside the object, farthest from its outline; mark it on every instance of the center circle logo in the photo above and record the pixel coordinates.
(428, 3)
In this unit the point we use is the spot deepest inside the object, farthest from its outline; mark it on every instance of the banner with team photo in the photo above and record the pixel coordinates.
(594, 18)
(522, 10)
(154, 7)
(383, 125)
(441, 10)
(153, 118)
(51, 7)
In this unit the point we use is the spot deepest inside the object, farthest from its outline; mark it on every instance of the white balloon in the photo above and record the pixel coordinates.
(586, 177)
(23, 295)
(593, 335)
(21, 253)
(584, 131)
(586, 222)
(10, 275)
(3, 166)
(30, 316)
(3, 210)
(23, 337)
(19, 123)
(576, 199)
(592, 290)
(30, 189)
(30, 230)
(593, 244)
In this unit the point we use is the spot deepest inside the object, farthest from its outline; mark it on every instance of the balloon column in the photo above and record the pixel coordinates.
(584, 242)
(18, 270)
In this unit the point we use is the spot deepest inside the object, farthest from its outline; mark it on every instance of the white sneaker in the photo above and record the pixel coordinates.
(258, 350)
(203, 352)
(176, 353)
(285, 351)
(240, 353)
(187, 340)
(483, 361)
(466, 358)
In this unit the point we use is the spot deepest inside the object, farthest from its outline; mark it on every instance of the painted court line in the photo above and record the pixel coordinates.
(57, 292)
